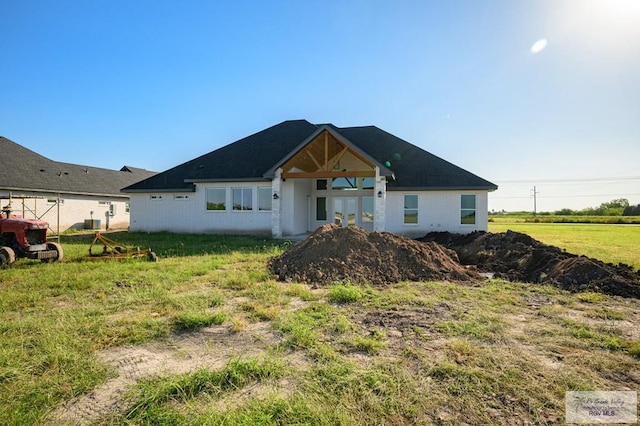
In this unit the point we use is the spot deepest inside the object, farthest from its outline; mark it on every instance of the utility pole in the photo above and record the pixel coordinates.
(535, 194)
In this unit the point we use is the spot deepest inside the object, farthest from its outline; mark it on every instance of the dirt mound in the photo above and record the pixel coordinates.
(333, 254)
(518, 257)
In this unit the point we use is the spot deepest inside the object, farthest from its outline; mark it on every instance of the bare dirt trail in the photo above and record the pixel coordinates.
(210, 347)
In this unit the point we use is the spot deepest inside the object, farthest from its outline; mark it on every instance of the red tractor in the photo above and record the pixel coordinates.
(25, 238)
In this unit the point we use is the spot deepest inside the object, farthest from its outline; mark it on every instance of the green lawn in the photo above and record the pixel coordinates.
(76, 335)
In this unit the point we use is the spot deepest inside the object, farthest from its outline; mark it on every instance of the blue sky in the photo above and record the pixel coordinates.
(152, 84)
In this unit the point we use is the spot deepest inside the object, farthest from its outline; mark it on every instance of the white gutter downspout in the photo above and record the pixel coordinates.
(276, 205)
(379, 203)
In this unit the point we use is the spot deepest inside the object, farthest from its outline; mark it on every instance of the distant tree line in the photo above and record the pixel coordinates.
(618, 207)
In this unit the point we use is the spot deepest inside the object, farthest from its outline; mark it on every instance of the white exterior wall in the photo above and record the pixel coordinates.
(437, 211)
(73, 209)
(187, 212)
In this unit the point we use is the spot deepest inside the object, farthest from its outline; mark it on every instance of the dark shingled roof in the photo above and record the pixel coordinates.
(24, 170)
(252, 157)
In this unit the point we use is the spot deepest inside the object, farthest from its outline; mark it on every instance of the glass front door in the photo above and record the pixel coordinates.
(345, 211)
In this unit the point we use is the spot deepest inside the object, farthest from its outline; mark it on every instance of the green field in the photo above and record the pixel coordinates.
(609, 243)
(206, 336)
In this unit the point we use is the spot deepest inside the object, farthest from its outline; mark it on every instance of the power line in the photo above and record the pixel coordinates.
(602, 179)
(565, 196)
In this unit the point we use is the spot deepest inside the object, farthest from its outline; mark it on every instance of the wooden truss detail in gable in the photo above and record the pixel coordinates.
(327, 156)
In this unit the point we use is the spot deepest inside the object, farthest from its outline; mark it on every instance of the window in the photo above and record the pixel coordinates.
(321, 184)
(368, 183)
(104, 203)
(241, 199)
(344, 183)
(127, 208)
(321, 208)
(411, 209)
(112, 210)
(216, 198)
(367, 208)
(181, 197)
(53, 201)
(264, 199)
(155, 197)
(467, 209)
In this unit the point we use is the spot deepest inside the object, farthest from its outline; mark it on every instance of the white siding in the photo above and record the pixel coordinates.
(437, 211)
(73, 209)
(168, 212)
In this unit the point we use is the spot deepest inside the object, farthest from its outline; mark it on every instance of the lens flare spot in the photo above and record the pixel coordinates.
(539, 45)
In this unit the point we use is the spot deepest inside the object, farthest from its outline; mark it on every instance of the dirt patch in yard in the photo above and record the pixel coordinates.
(354, 255)
(518, 257)
(333, 254)
(211, 348)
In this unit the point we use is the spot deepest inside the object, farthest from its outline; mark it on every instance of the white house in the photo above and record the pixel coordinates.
(65, 195)
(293, 177)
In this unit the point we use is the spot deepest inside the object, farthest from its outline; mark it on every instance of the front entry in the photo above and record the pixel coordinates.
(345, 211)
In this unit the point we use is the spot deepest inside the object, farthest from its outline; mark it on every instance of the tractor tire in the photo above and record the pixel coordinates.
(57, 247)
(7, 256)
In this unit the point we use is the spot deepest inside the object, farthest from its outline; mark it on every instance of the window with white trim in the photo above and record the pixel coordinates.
(216, 199)
(467, 209)
(321, 208)
(367, 208)
(264, 199)
(344, 184)
(368, 183)
(155, 197)
(242, 199)
(411, 209)
(181, 197)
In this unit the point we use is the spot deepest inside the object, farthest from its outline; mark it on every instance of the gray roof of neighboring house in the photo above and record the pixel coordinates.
(255, 156)
(24, 170)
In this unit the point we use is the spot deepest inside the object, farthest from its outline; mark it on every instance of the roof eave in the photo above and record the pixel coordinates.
(54, 191)
(443, 188)
(156, 190)
(248, 179)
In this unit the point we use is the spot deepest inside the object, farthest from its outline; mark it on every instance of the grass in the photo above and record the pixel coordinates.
(154, 400)
(609, 243)
(491, 352)
(563, 219)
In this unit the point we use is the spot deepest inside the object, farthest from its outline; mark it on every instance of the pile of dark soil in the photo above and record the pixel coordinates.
(518, 257)
(333, 254)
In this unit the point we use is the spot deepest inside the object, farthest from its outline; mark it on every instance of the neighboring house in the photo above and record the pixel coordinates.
(293, 177)
(65, 195)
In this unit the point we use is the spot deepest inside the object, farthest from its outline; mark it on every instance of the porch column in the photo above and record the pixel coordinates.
(379, 202)
(276, 186)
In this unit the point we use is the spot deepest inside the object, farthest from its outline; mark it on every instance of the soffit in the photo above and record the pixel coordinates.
(326, 156)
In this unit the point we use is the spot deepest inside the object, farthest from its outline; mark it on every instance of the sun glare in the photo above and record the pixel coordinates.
(604, 27)
(539, 45)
